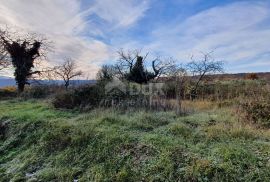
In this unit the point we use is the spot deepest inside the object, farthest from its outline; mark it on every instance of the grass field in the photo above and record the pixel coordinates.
(39, 143)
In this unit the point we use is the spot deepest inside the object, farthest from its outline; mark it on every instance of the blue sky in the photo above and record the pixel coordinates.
(91, 31)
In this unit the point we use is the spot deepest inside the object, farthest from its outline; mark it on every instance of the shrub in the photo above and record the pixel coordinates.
(89, 95)
(252, 76)
(169, 89)
(257, 111)
(37, 92)
(225, 90)
(8, 92)
(82, 97)
(64, 100)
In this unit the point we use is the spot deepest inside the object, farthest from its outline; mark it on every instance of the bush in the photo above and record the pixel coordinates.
(252, 76)
(64, 100)
(8, 92)
(169, 89)
(37, 92)
(83, 97)
(257, 111)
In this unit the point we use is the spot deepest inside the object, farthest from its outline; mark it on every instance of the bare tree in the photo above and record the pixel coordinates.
(201, 68)
(4, 61)
(179, 74)
(67, 71)
(23, 50)
(106, 73)
(131, 66)
(45, 74)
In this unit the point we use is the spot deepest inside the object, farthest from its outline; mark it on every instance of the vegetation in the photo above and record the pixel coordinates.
(201, 68)
(131, 67)
(67, 71)
(173, 123)
(257, 112)
(23, 51)
(7, 92)
(39, 143)
(85, 97)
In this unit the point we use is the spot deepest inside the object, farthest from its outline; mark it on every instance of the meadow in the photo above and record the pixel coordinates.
(211, 143)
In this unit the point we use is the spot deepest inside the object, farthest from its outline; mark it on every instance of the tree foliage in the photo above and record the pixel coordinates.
(132, 67)
(23, 52)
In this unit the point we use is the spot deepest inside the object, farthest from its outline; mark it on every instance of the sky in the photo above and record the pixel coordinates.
(91, 31)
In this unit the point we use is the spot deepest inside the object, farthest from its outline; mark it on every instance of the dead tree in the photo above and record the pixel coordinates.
(199, 69)
(67, 71)
(23, 52)
(131, 66)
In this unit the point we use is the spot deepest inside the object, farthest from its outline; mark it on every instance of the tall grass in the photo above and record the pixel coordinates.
(210, 144)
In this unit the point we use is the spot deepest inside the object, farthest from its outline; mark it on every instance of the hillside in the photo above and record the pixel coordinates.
(237, 76)
(39, 143)
(7, 81)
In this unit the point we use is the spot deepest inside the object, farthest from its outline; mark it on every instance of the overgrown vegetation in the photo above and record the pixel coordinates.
(23, 51)
(130, 126)
(7, 92)
(39, 143)
(257, 112)
(86, 97)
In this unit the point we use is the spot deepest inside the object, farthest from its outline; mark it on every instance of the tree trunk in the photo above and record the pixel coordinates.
(178, 97)
(21, 87)
(66, 85)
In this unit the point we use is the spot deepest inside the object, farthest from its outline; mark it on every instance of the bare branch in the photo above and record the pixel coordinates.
(162, 67)
(203, 67)
(67, 71)
(132, 66)
(106, 73)
(4, 61)
(23, 52)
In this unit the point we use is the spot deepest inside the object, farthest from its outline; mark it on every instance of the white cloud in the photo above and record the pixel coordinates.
(56, 17)
(118, 12)
(237, 31)
(70, 26)
(234, 31)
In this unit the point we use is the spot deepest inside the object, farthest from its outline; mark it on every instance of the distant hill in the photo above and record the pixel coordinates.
(7, 81)
(265, 76)
(231, 76)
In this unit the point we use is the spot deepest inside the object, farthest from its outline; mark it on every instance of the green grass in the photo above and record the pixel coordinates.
(43, 144)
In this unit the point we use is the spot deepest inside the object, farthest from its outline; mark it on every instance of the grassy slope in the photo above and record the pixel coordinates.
(47, 145)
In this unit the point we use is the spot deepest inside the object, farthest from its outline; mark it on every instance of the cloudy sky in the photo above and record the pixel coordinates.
(91, 31)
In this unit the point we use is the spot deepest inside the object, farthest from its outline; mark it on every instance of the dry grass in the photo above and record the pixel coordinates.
(236, 129)
(115, 145)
